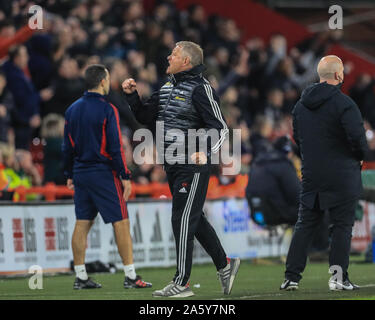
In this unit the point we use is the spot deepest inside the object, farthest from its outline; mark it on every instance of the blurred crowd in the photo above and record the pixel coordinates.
(41, 75)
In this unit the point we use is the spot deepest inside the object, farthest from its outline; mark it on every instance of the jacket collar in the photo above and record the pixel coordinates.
(188, 74)
(93, 94)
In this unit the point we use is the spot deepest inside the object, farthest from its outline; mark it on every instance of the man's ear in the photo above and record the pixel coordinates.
(187, 60)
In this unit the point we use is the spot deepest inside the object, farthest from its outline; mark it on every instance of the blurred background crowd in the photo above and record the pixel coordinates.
(41, 75)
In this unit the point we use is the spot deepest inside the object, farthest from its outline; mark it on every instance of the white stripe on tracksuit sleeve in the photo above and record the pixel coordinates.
(207, 103)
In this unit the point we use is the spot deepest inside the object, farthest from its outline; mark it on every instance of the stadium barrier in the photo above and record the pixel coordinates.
(52, 192)
(40, 234)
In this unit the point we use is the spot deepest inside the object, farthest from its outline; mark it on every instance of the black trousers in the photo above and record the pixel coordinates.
(189, 191)
(342, 221)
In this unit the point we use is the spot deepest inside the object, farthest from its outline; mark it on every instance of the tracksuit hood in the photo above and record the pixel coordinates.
(318, 93)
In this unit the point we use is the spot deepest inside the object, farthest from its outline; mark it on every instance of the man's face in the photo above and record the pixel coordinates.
(106, 84)
(3, 83)
(341, 74)
(7, 32)
(22, 58)
(177, 62)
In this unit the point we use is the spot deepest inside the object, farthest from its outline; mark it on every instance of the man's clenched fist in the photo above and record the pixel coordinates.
(199, 158)
(129, 86)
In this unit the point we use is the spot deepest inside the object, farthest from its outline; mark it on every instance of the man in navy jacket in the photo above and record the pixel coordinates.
(328, 129)
(94, 163)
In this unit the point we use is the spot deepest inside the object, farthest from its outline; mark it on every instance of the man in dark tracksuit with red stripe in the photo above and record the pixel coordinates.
(96, 169)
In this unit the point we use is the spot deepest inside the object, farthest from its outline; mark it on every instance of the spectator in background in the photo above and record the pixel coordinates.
(27, 100)
(197, 22)
(27, 167)
(274, 180)
(52, 131)
(260, 138)
(10, 37)
(68, 85)
(280, 78)
(370, 136)
(142, 173)
(4, 181)
(40, 63)
(119, 72)
(6, 106)
(149, 43)
(101, 44)
(274, 105)
(228, 35)
(363, 94)
(246, 156)
(218, 63)
(277, 51)
(283, 79)
(19, 168)
(63, 41)
(158, 174)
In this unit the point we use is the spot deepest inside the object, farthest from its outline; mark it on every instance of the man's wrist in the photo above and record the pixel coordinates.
(126, 176)
(68, 175)
(132, 94)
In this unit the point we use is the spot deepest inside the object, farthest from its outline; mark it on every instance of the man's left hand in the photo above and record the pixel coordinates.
(127, 189)
(199, 158)
(69, 184)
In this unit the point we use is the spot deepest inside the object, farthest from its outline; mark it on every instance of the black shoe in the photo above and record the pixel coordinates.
(85, 284)
(355, 286)
(136, 283)
(289, 285)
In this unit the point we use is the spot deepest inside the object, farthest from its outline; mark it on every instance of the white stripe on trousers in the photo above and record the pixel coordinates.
(184, 230)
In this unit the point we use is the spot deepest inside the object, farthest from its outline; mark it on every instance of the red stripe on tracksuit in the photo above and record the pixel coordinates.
(119, 188)
(71, 140)
(104, 141)
(120, 138)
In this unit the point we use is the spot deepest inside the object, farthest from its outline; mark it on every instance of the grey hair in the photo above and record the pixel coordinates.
(193, 51)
